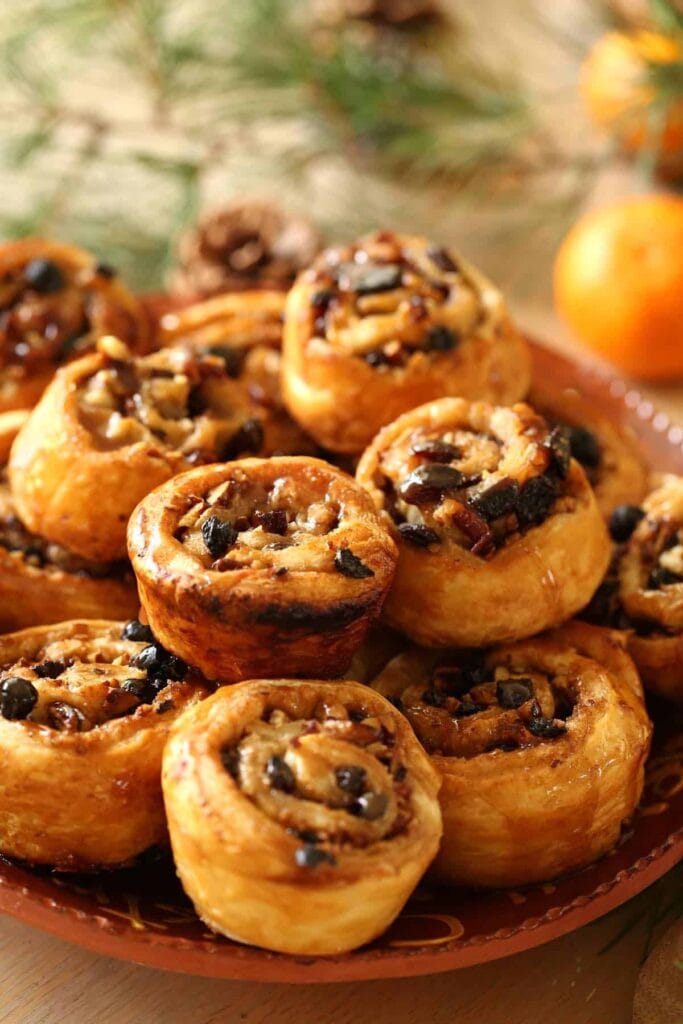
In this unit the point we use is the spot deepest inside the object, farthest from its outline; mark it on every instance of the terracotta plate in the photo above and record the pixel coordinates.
(142, 915)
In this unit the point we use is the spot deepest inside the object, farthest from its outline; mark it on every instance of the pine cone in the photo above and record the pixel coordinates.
(383, 12)
(246, 244)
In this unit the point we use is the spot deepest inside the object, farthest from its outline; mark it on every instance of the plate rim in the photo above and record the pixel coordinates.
(97, 933)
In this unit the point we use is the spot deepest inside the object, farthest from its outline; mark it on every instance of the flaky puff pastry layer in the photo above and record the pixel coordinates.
(498, 530)
(261, 566)
(540, 745)
(80, 785)
(245, 330)
(389, 322)
(302, 813)
(608, 452)
(36, 589)
(111, 427)
(650, 590)
(55, 312)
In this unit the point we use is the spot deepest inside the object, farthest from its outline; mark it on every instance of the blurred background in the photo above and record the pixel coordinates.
(206, 145)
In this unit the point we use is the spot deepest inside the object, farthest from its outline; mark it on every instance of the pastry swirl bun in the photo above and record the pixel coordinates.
(643, 591)
(84, 716)
(379, 326)
(55, 301)
(540, 745)
(302, 813)
(499, 534)
(111, 427)
(261, 566)
(41, 582)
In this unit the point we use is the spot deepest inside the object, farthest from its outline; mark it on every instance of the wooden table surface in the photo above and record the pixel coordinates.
(587, 977)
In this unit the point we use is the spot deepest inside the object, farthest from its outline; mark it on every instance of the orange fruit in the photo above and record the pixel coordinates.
(619, 284)
(621, 96)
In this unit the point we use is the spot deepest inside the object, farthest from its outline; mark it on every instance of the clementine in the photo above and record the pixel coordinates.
(623, 85)
(619, 284)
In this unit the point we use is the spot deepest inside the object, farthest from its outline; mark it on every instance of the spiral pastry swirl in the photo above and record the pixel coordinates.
(301, 813)
(111, 427)
(55, 301)
(260, 565)
(379, 326)
(85, 709)
(643, 591)
(486, 504)
(559, 719)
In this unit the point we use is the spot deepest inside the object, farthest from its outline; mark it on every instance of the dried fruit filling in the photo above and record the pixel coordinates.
(470, 487)
(74, 686)
(174, 399)
(476, 706)
(334, 780)
(45, 313)
(386, 301)
(284, 527)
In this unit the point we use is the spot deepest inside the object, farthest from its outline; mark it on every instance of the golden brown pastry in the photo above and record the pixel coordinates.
(643, 591)
(245, 331)
(85, 709)
(111, 427)
(261, 567)
(540, 745)
(384, 324)
(41, 582)
(499, 534)
(302, 814)
(55, 301)
(608, 452)
(232, 322)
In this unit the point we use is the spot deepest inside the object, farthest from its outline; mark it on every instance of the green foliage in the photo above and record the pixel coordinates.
(121, 112)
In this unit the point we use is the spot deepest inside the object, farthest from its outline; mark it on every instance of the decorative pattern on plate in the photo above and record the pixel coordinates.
(141, 915)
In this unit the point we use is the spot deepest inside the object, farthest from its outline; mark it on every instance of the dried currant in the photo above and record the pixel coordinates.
(428, 484)
(351, 565)
(435, 449)
(418, 534)
(218, 536)
(495, 499)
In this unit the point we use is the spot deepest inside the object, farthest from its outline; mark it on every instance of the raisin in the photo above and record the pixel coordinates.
(418, 534)
(496, 499)
(370, 806)
(349, 564)
(311, 856)
(440, 338)
(139, 688)
(623, 522)
(435, 450)
(230, 759)
(368, 278)
(427, 484)
(350, 779)
(661, 577)
(138, 632)
(50, 669)
(274, 521)
(44, 276)
(545, 728)
(247, 440)
(536, 499)
(106, 271)
(232, 358)
(218, 536)
(467, 708)
(442, 258)
(559, 445)
(584, 447)
(280, 775)
(66, 718)
(512, 693)
(18, 697)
